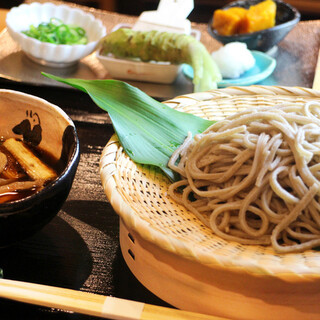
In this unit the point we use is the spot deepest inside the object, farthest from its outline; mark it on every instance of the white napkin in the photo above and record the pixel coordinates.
(170, 16)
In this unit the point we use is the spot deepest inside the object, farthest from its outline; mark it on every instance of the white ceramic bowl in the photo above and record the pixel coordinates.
(20, 18)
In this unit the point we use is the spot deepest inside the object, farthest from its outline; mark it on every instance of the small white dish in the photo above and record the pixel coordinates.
(20, 18)
(130, 69)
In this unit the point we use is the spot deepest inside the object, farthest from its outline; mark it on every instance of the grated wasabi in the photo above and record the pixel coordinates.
(164, 46)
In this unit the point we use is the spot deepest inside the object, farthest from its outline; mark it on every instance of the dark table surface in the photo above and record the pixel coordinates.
(79, 248)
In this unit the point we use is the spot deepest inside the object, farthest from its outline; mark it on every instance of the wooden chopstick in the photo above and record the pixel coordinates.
(92, 304)
(316, 80)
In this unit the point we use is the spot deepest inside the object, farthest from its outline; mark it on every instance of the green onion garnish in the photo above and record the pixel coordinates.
(57, 32)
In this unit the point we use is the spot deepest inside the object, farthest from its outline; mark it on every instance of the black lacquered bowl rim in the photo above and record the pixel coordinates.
(245, 36)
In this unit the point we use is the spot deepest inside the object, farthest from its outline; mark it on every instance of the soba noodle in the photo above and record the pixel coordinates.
(254, 178)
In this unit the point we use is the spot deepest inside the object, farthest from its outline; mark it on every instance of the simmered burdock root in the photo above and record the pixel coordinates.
(3, 161)
(33, 166)
(22, 173)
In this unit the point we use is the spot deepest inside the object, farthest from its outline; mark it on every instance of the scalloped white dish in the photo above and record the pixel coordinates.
(20, 18)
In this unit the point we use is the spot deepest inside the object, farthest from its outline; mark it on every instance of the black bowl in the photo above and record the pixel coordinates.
(47, 127)
(286, 18)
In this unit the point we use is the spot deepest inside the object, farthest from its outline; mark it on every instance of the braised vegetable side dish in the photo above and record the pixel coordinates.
(163, 46)
(237, 20)
(22, 170)
(57, 32)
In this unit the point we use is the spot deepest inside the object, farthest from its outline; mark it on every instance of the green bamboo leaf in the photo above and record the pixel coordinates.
(148, 130)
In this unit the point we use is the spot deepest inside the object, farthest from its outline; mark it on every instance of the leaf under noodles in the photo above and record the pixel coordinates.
(148, 130)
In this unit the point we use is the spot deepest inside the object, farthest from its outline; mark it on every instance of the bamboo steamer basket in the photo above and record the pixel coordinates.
(177, 258)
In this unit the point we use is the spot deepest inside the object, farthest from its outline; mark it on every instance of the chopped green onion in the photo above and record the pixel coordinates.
(57, 32)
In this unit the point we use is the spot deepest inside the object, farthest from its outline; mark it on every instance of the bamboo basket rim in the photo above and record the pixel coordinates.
(257, 260)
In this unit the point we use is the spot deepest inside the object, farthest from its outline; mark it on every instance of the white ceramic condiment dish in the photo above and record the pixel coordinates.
(134, 69)
(130, 69)
(20, 18)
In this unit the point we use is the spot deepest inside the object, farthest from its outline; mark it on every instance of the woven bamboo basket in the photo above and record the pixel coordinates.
(179, 259)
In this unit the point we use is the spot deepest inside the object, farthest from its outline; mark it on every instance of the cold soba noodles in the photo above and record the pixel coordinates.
(254, 178)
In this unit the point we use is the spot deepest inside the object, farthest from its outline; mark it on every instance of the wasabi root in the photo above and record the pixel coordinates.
(163, 46)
